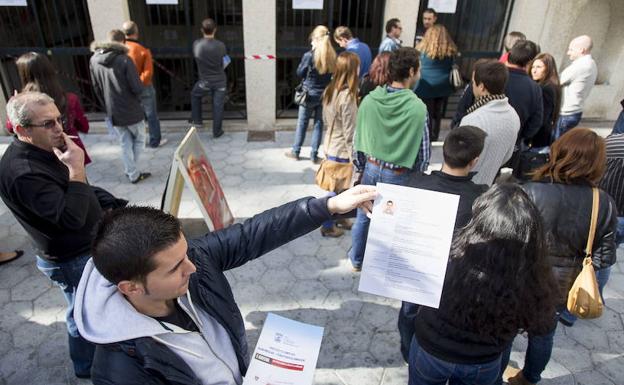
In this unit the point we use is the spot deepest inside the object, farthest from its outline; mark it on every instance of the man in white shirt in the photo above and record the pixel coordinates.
(577, 81)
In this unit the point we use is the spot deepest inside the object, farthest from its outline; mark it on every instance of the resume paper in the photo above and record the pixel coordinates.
(286, 353)
(408, 244)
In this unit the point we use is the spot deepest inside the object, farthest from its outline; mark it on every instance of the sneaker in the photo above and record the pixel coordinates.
(332, 232)
(163, 141)
(356, 268)
(344, 224)
(292, 155)
(316, 160)
(519, 379)
(142, 176)
(218, 134)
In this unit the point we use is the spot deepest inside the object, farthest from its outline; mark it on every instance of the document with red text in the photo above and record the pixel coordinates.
(408, 244)
(286, 353)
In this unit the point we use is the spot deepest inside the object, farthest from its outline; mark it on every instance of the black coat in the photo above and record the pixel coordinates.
(145, 361)
(566, 213)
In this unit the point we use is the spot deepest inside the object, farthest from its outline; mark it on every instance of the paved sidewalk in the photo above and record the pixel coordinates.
(308, 280)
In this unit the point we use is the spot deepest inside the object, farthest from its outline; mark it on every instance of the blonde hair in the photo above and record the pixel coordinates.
(437, 43)
(346, 76)
(324, 53)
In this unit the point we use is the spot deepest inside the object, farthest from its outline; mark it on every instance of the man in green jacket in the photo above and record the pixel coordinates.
(392, 132)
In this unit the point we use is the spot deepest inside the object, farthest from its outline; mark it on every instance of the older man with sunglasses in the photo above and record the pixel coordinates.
(43, 182)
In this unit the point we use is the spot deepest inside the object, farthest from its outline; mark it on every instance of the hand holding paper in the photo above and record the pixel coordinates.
(360, 196)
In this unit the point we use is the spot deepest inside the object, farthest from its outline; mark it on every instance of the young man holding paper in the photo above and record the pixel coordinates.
(160, 309)
(461, 150)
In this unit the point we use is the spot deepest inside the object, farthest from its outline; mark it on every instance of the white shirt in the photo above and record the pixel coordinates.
(577, 81)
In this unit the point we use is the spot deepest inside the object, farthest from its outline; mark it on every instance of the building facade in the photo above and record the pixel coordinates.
(260, 90)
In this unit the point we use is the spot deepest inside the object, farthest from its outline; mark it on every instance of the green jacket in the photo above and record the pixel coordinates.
(390, 126)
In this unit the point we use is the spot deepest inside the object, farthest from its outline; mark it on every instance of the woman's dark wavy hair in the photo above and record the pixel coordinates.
(379, 73)
(499, 280)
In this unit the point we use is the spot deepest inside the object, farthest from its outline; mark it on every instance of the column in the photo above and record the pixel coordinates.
(407, 12)
(107, 15)
(259, 34)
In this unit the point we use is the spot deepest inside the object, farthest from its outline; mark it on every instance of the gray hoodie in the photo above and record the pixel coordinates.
(104, 316)
(116, 83)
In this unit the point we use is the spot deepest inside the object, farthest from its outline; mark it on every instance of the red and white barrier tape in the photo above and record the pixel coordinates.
(260, 57)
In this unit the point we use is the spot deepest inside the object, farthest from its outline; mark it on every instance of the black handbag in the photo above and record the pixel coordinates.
(529, 161)
(301, 91)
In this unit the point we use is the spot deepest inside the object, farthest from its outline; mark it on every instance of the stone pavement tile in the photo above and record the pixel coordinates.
(5, 341)
(277, 280)
(279, 258)
(18, 365)
(250, 272)
(344, 306)
(555, 370)
(331, 255)
(338, 278)
(609, 321)
(14, 314)
(30, 289)
(574, 356)
(359, 369)
(326, 377)
(30, 335)
(589, 336)
(613, 369)
(592, 377)
(350, 336)
(379, 316)
(309, 293)
(385, 348)
(395, 376)
(305, 267)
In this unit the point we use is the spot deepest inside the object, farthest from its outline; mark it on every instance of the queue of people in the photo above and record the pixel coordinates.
(147, 305)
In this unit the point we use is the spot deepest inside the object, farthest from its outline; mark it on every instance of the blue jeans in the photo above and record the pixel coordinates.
(132, 140)
(618, 127)
(66, 275)
(602, 277)
(148, 101)
(536, 358)
(425, 369)
(359, 232)
(201, 89)
(407, 315)
(305, 113)
(619, 234)
(566, 123)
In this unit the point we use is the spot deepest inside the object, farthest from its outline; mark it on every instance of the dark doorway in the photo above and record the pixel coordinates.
(62, 30)
(363, 17)
(478, 28)
(169, 31)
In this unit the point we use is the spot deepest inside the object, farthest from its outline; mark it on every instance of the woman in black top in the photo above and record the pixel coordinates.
(544, 72)
(497, 282)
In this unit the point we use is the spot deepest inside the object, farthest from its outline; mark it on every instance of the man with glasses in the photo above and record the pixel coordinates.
(393, 32)
(43, 182)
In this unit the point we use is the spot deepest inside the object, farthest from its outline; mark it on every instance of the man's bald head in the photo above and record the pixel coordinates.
(580, 46)
(130, 29)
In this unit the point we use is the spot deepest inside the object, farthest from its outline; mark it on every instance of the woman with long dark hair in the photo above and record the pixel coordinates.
(339, 115)
(562, 192)
(437, 53)
(543, 70)
(497, 282)
(378, 74)
(316, 68)
(38, 74)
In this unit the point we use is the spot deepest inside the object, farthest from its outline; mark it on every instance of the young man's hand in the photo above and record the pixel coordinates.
(360, 196)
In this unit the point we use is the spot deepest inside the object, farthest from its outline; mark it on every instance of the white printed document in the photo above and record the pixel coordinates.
(286, 353)
(408, 244)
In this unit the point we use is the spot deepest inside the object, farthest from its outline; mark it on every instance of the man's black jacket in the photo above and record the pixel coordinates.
(145, 361)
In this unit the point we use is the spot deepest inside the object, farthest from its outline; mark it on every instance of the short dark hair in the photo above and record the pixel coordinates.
(462, 145)
(116, 35)
(523, 52)
(401, 60)
(492, 74)
(127, 239)
(391, 24)
(208, 26)
(431, 10)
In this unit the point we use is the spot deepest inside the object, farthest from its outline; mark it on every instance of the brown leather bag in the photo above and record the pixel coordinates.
(584, 299)
(331, 175)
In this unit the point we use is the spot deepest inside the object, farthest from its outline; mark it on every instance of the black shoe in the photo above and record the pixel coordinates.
(566, 322)
(291, 155)
(84, 376)
(142, 176)
(218, 134)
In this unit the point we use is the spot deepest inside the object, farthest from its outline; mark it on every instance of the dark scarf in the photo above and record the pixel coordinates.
(483, 100)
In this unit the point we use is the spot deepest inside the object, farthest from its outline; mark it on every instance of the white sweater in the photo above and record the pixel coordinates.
(501, 124)
(577, 81)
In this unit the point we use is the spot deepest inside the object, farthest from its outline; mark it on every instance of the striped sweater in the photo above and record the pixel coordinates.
(613, 179)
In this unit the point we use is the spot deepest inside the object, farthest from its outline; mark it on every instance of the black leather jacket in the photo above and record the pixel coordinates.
(145, 361)
(566, 213)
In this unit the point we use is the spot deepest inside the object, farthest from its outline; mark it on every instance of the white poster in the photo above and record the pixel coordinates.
(408, 244)
(443, 6)
(155, 2)
(307, 4)
(286, 353)
(13, 3)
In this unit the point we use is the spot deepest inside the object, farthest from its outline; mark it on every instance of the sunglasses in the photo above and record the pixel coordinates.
(50, 124)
